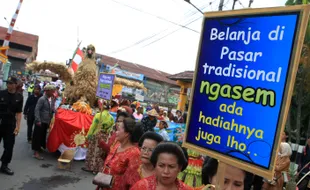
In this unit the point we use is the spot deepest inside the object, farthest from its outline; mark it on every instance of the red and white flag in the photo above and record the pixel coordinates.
(77, 59)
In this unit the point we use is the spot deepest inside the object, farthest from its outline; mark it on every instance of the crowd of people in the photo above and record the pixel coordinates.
(128, 149)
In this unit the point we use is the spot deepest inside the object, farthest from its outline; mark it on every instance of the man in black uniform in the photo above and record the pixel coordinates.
(11, 104)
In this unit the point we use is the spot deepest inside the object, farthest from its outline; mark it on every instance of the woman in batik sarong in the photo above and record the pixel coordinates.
(100, 129)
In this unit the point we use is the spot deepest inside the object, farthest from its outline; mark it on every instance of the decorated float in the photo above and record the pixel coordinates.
(79, 105)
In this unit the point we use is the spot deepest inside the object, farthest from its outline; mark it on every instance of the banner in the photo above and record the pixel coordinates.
(243, 84)
(105, 86)
(126, 74)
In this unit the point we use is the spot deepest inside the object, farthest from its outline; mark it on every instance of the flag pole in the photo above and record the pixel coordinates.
(8, 36)
(74, 53)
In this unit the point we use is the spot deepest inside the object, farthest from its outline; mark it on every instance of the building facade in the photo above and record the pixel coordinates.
(160, 89)
(23, 49)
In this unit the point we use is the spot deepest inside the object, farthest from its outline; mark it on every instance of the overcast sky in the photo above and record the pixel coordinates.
(138, 31)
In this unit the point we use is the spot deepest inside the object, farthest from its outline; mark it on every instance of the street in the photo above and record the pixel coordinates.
(32, 174)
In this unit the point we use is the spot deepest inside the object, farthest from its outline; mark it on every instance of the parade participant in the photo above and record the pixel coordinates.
(161, 115)
(114, 105)
(30, 89)
(19, 87)
(170, 116)
(304, 167)
(191, 176)
(166, 118)
(56, 92)
(106, 146)
(29, 110)
(179, 118)
(284, 136)
(163, 125)
(125, 155)
(147, 143)
(125, 104)
(11, 105)
(168, 159)
(43, 114)
(133, 107)
(150, 121)
(282, 165)
(99, 130)
(235, 178)
(138, 115)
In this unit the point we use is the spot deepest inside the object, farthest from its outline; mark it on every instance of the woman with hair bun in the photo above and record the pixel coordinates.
(124, 156)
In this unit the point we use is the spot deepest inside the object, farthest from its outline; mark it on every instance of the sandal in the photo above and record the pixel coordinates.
(38, 157)
(86, 170)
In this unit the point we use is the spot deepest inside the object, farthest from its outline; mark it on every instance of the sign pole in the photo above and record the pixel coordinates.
(220, 175)
(241, 78)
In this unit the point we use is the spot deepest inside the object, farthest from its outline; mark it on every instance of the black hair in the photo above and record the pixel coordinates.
(170, 148)
(150, 135)
(37, 87)
(209, 169)
(137, 133)
(165, 124)
(133, 128)
(124, 114)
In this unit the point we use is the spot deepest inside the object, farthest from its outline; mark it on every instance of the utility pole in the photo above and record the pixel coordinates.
(221, 5)
(250, 3)
(189, 2)
(5, 46)
(234, 3)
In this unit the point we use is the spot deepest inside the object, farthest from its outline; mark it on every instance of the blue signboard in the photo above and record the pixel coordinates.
(242, 73)
(105, 86)
(126, 74)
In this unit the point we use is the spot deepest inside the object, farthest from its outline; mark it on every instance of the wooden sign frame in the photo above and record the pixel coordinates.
(112, 84)
(304, 11)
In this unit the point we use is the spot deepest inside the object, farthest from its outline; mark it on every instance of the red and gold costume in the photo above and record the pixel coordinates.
(120, 163)
(150, 183)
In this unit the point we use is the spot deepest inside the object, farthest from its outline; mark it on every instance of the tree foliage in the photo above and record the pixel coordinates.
(298, 123)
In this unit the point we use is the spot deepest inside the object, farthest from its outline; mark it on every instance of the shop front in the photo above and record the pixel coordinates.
(128, 84)
(161, 93)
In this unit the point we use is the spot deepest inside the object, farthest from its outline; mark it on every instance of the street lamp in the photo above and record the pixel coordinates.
(189, 2)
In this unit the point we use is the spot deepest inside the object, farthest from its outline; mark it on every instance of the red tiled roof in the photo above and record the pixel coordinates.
(139, 69)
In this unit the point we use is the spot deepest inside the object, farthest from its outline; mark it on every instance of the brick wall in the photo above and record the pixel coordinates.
(23, 48)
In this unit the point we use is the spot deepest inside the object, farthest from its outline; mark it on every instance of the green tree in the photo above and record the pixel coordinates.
(299, 112)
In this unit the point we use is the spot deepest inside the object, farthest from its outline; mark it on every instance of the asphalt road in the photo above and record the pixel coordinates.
(32, 174)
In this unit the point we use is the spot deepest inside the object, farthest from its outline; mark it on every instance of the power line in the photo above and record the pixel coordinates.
(241, 3)
(136, 43)
(170, 33)
(159, 17)
(144, 39)
(210, 4)
(189, 2)
(189, 13)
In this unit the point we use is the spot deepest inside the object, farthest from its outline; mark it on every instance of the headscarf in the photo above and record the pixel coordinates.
(285, 149)
(103, 121)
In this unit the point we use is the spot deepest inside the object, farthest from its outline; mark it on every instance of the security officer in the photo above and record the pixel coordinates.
(11, 104)
(30, 89)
